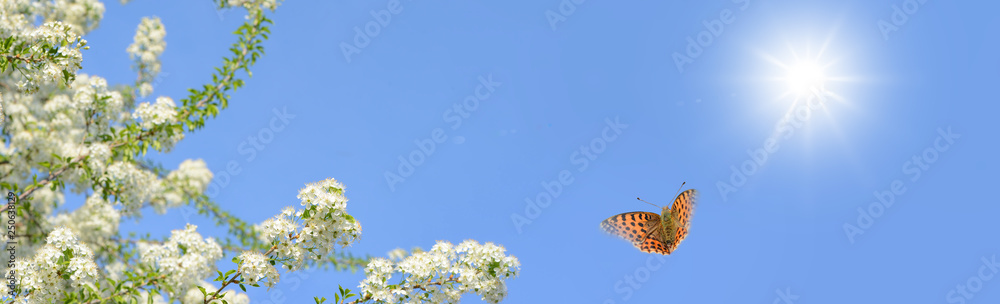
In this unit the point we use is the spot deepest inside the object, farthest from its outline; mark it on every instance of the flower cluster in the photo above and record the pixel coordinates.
(145, 51)
(64, 261)
(255, 267)
(164, 111)
(157, 118)
(442, 274)
(91, 94)
(47, 53)
(325, 219)
(45, 132)
(254, 4)
(194, 296)
(185, 258)
(313, 231)
(95, 223)
(82, 15)
(132, 185)
(191, 177)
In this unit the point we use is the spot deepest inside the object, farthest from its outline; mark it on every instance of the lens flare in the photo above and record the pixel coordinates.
(803, 77)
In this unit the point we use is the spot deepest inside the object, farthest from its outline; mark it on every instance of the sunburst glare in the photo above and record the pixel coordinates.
(804, 76)
(807, 77)
(804, 71)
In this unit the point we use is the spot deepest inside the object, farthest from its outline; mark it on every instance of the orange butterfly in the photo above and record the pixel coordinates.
(653, 233)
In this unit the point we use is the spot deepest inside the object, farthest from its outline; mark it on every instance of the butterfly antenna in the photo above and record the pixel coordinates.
(679, 188)
(646, 202)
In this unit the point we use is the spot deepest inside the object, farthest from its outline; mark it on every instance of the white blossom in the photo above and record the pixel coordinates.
(378, 272)
(469, 267)
(194, 295)
(255, 267)
(134, 185)
(315, 230)
(253, 4)
(145, 50)
(326, 222)
(164, 111)
(161, 113)
(40, 279)
(185, 258)
(191, 177)
(95, 222)
(83, 15)
(397, 254)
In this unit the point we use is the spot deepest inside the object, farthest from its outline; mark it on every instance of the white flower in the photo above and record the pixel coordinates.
(314, 231)
(184, 258)
(325, 219)
(255, 267)
(40, 276)
(397, 254)
(253, 4)
(378, 272)
(138, 186)
(467, 268)
(145, 50)
(194, 295)
(163, 112)
(145, 89)
(181, 185)
(95, 222)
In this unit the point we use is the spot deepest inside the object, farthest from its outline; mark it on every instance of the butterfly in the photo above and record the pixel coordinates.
(654, 233)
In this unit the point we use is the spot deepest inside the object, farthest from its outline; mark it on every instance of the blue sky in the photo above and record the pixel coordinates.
(781, 230)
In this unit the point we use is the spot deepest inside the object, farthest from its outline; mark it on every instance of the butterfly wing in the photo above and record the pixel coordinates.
(681, 213)
(657, 241)
(632, 226)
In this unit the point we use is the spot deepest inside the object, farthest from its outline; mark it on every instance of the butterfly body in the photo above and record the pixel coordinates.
(655, 233)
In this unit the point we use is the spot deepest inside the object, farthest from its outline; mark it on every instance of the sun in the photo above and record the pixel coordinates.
(804, 77)
(804, 70)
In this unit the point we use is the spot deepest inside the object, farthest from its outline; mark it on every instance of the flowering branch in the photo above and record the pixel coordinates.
(89, 138)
